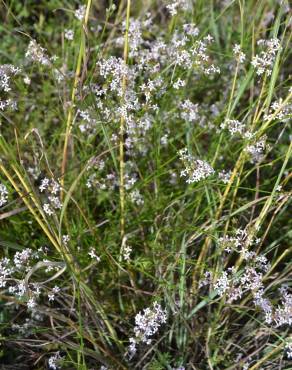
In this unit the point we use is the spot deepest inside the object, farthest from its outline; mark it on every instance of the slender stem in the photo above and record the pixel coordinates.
(31, 209)
(73, 96)
(122, 129)
(228, 112)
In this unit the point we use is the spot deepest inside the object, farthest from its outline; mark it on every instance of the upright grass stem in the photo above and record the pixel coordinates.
(69, 121)
(122, 129)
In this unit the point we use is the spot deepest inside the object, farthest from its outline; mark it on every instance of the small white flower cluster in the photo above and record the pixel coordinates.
(177, 5)
(126, 251)
(55, 290)
(13, 269)
(178, 84)
(150, 86)
(29, 291)
(186, 53)
(233, 284)
(9, 271)
(129, 179)
(69, 34)
(135, 36)
(114, 70)
(208, 276)
(280, 315)
(239, 243)
(6, 71)
(191, 29)
(190, 111)
(195, 169)
(263, 62)
(8, 103)
(224, 176)
(236, 127)
(146, 325)
(36, 53)
(257, 149)
(107, 182)
(280, 111)
(199, 52)
(54, 361)
(51, 188)
(92, 254)
(147, 59)
(3, 194)
(5, 271)
(164, 140)
(65, 239)
(50, 266)
(288, 348)
(87, 124)
(80, 12)
(283, 313)
(238, 53)
(22, 259)
(136, 197)
(233, 126)
(26, 80)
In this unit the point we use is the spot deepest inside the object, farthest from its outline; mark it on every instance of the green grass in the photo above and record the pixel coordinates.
(175, 234)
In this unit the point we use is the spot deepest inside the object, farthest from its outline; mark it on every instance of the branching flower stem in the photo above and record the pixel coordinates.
(236, 170)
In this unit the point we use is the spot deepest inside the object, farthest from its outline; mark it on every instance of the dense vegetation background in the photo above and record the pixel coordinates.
(145, 157)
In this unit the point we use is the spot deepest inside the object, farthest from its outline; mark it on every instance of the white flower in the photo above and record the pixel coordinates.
(36, 53)
(234, 126)
(47, 209)
(126, 251)
(56, 289)
(179, 83)
(147, 324)
(65, 239)
(164, 139)
(93, 255)
(257, 149)
(176, 5)
(191, 29)
(136, 197)
(195, 169)
(224, 176)
(279, 110)
(44, 184)
(80, 12)
(31, 303)
(69, 35)
(3, 195)
(6, 71)
(263, 62)
(54, 360)
(26, 80)
(288, 347)
(190, 111)
(239, 55)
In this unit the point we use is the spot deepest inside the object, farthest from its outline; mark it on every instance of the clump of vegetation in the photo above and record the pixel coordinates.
(144, 184)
